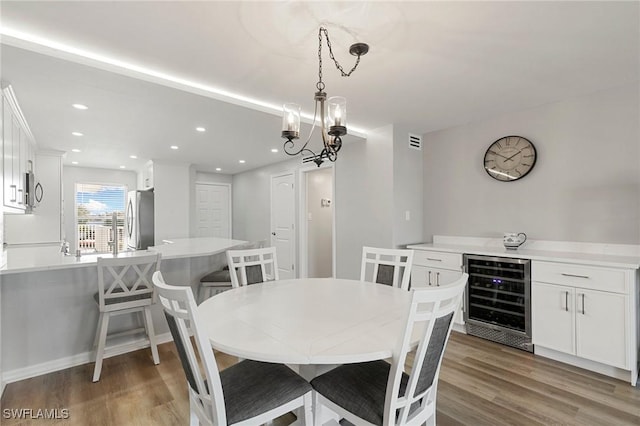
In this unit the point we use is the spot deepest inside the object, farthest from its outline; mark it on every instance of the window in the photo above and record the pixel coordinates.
(95, 206)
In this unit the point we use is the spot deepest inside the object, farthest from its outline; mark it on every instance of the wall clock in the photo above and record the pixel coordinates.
(510, 158)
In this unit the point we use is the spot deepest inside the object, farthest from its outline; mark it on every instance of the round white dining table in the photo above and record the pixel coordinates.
(307, 321)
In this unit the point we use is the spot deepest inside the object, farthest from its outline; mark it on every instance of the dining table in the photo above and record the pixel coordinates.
(310, 324)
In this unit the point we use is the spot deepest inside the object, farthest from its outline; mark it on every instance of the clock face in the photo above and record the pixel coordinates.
(510, 158)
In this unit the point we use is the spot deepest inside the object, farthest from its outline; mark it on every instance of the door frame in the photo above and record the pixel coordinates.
(295, 233)
(228, 185)
(303, 252)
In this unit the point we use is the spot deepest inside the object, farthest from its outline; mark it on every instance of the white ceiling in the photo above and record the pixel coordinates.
(432, 65)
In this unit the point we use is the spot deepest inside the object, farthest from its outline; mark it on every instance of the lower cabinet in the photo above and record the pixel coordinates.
(425, 273)
(585, 322)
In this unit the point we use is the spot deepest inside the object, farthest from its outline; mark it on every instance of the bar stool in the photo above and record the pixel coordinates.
(214, 283)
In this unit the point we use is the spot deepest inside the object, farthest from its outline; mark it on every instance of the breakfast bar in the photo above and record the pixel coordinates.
(48, 313)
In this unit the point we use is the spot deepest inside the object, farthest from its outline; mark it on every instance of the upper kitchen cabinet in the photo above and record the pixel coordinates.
(147, 176)
(18, 149)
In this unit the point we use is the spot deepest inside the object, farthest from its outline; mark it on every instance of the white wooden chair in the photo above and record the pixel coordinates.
(252, 266)
(387, 266)
(247, 393)
(124, 287)
(382, 394)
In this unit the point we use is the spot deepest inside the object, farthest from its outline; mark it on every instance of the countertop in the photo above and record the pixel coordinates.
(602, 258)
(43, 258)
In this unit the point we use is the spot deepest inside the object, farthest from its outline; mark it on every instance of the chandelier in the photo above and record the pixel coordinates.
(333, 120)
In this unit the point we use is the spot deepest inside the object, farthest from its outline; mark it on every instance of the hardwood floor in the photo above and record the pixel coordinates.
(481, 383)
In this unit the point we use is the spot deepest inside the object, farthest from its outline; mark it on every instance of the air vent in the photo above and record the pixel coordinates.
(415, 141)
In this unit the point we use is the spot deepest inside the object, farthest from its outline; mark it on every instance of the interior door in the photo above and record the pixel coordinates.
(213, 210)
(282, 223)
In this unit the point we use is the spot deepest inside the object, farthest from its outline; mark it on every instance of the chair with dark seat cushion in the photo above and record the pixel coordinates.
(253, 266)
(214, 283)
(247, 393)
(386, 266)
(379, 393)
(124, 287)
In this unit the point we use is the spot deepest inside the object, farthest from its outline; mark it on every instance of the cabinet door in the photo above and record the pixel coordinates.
(10, 191)
(553, 317)
(602, 327)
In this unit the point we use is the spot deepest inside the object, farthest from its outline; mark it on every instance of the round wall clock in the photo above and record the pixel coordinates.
(510, 158)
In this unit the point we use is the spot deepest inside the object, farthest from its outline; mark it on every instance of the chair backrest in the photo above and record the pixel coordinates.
(252, 266)
(431, 314)
(387, 266)
(179, 308)
(126, 277)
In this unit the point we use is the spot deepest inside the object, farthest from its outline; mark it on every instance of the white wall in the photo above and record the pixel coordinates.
(319, 223)
(172, 199)
(72, 175)
(251, 205)
(585, 185)
(407, 189)
(364, 199)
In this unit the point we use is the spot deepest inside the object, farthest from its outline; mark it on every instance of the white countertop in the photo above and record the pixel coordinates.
(43, 258)
(582, 253)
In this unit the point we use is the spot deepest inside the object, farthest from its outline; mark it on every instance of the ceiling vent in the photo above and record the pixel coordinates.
(415, 141)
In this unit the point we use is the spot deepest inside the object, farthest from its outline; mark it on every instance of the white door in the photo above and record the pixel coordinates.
(282, 223)
(213, 210)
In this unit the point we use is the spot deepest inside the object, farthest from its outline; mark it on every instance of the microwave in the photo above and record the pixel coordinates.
(33, 191)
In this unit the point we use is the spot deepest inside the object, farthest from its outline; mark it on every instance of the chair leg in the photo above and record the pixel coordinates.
(97, 337)
(308, 409)
(102, 340)
(151, 334)
(193, 416)
(317, 409)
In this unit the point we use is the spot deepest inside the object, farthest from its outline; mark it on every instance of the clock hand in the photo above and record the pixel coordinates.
(511, 158)
(498, 154)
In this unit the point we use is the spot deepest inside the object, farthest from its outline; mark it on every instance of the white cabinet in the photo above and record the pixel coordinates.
(17, 152)
(584, 311)
(433, 268)
(147, 176)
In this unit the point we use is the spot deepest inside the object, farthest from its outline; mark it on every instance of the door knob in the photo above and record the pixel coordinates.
(273, 233)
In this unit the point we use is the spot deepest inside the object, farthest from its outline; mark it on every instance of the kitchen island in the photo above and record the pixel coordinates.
(48, 315)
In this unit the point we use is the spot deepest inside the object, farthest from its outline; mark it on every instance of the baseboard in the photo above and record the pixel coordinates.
(18, 374)
(606, 370)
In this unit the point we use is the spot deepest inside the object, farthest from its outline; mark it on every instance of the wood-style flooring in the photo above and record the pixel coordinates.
(481, 383)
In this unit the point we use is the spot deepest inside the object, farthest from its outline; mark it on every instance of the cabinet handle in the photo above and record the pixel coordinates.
(566, 301)
(575, 276)
(582, 303)
(429, 277)
(438, 279)
(15, 193)
(21, 197)
(434, 259)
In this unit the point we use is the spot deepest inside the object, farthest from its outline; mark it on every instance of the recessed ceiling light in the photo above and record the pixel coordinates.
(241, 161)
(133, 156)
(80, 106)
(77, 134)
(174, 147)
(75, 150)
(74, 162)
(218, 169)
(274, 150)
(201, 129)
(122, 167)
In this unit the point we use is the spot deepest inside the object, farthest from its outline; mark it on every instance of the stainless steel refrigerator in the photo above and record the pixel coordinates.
(139, 218)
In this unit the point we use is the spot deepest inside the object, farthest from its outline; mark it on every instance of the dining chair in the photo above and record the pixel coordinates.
(382, 394)
(247, 393)
(252, 266)
(387, 266)
(124, 287)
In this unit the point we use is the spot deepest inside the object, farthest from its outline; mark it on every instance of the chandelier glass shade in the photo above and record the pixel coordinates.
(332, 116)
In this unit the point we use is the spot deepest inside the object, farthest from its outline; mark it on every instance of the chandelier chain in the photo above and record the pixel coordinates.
(320, 85)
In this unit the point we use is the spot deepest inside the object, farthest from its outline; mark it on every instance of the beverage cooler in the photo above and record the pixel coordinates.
(498, 300)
